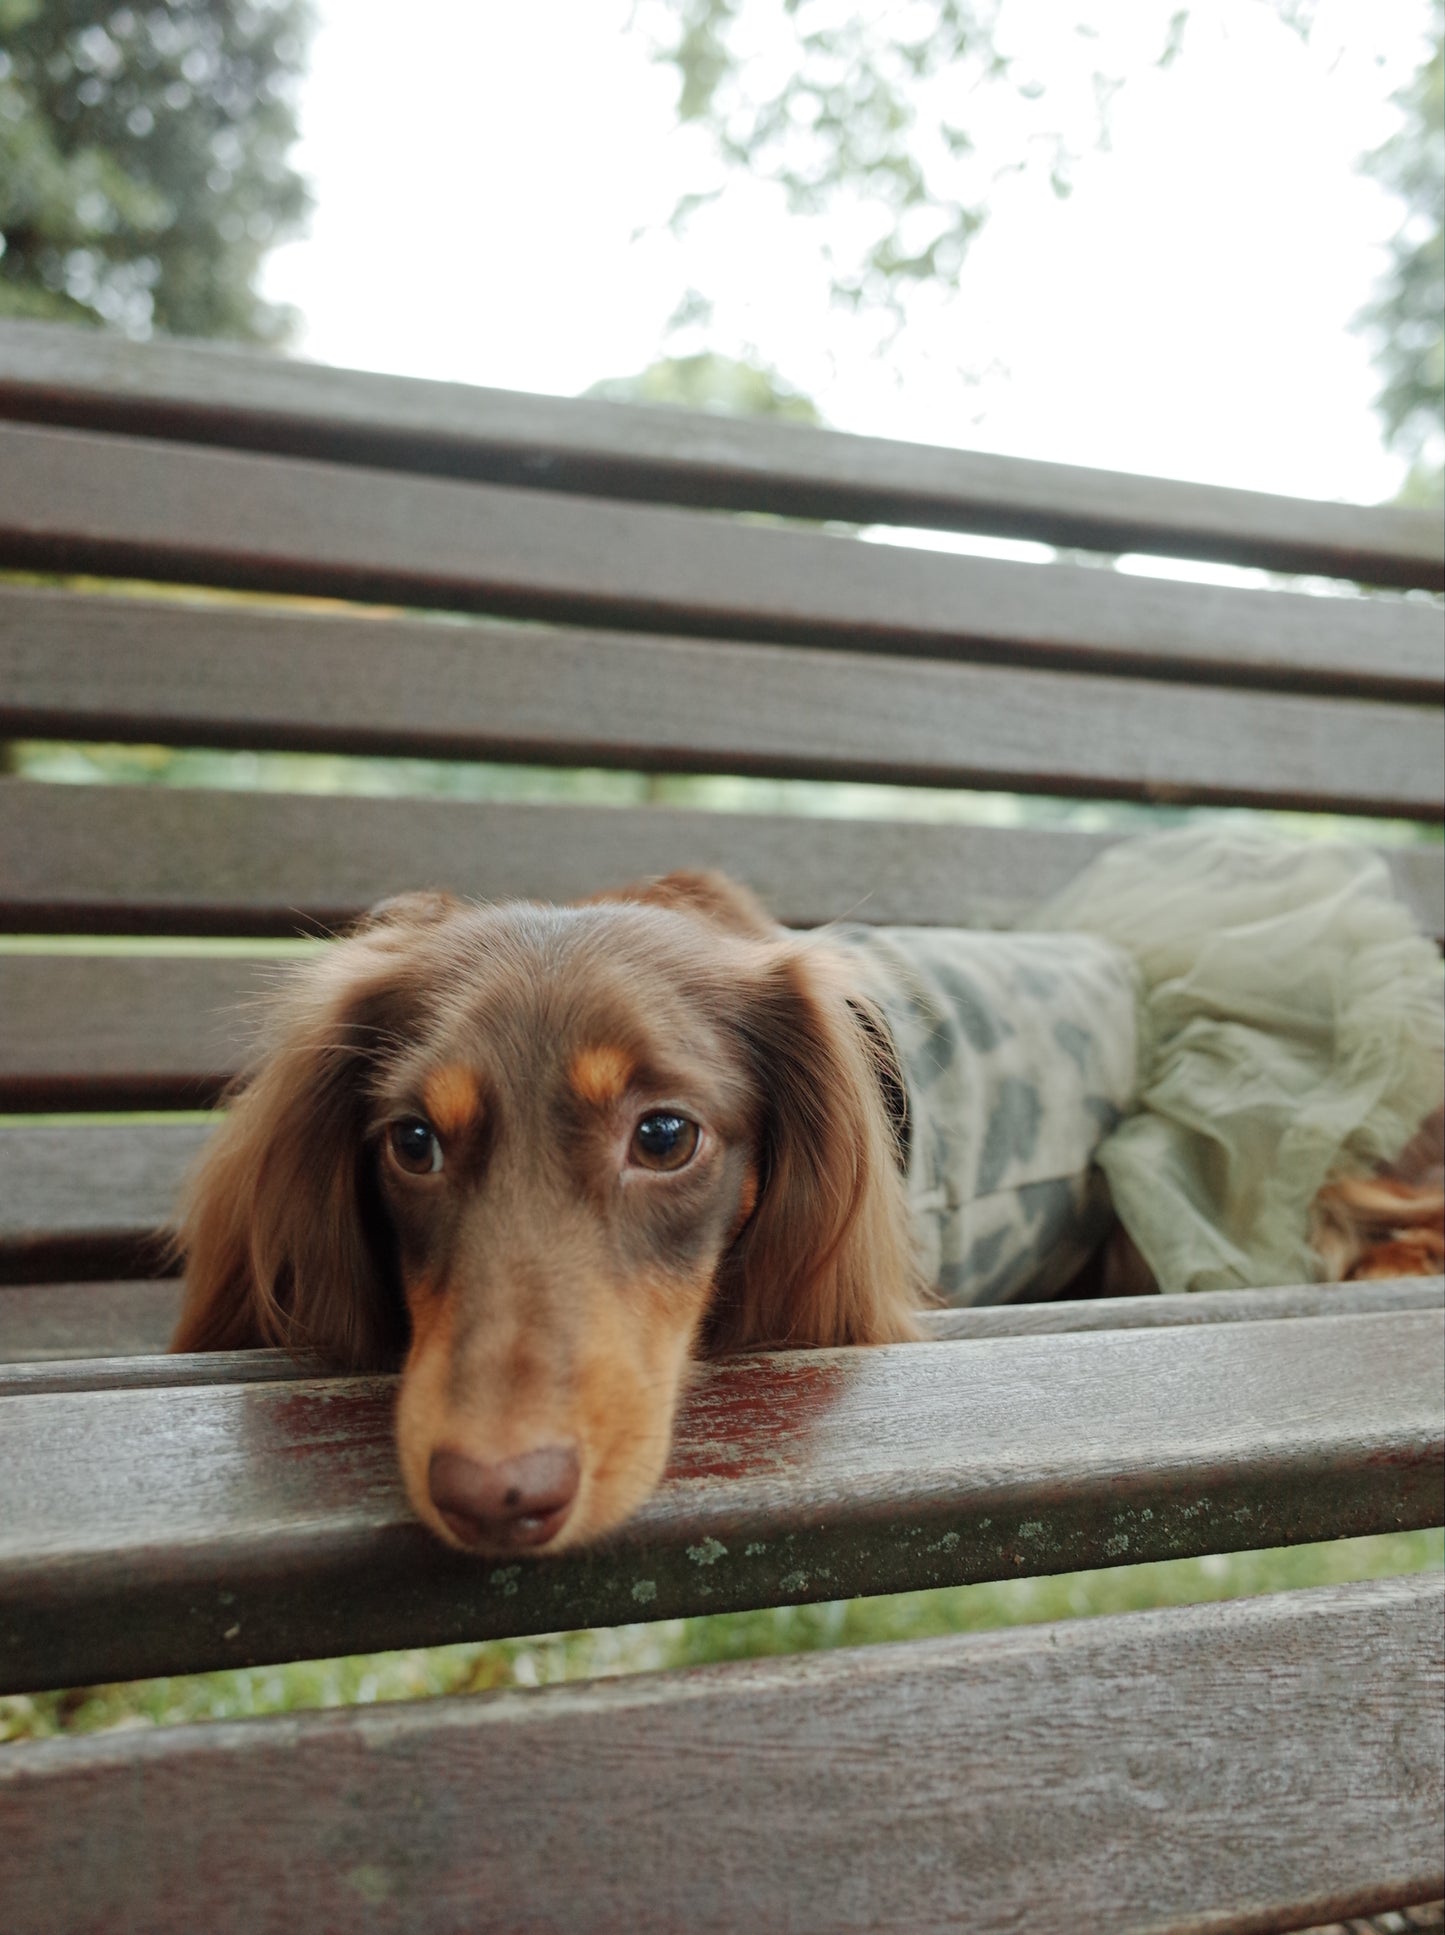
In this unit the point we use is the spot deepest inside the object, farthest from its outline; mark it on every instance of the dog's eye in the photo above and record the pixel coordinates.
(414, 1147)
(663, 1140)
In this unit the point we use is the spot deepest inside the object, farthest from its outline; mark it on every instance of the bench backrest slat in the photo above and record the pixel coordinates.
(87, 667)
(200, 393)
(87, 1032)
(132, 508)
(91, 859)
(54, 1323)
(89, 1199)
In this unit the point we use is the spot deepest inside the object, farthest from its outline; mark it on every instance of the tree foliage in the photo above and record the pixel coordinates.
(875, 115)
(144, 167)
(1407, 317)
(711, 382)
(869, 114)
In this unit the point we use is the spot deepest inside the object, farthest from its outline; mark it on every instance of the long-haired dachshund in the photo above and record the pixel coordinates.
(549, 1156)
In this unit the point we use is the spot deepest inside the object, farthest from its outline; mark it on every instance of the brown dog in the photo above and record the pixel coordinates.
(551, 1154)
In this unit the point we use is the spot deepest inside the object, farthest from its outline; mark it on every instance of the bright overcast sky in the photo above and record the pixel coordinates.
(481, 171)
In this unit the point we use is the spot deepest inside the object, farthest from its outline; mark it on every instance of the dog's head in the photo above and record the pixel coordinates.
(545, 1155)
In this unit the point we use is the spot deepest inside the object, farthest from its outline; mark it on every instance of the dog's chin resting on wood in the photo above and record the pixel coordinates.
(549, 1157)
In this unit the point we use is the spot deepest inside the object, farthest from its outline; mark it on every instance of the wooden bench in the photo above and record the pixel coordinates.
(1260, 1764)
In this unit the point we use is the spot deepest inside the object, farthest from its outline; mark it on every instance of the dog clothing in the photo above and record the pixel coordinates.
(1200, 1031)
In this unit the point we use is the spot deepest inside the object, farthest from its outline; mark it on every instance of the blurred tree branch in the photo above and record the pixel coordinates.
(1407, 317)
(866, 113)
(873, 115)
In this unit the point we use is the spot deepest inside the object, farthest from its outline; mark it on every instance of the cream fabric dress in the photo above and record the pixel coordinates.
(1199, 1031)
(1291, 1025)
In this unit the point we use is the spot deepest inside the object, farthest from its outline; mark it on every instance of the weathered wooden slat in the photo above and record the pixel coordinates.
(89, 1201)
(72, 1371)
(138, 859)
(150, 1531)
(103, 668)
(42, 1325)
(210, 395)
(125, 1032)
(1205, 1307)
(129, 507)
(91, 859)
(1202, 1767)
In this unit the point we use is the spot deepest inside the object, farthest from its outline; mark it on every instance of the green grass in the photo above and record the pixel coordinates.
(426, 1672)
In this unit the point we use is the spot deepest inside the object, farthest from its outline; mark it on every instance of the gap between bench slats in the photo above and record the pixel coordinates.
(130, 508)
(97, 859)
(1198, 1767)
(205, 394)
(160, 1530)
(35, 1318)
(78, 667)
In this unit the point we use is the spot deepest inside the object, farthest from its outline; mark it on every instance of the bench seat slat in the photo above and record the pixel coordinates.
(126, 507)
(86, 667)
(158, 1530)
(204, 393)
(1201, 1767)
(30, 1362)
(98, 859)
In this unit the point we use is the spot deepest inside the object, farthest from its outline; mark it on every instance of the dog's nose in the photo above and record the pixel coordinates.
(519, 1502)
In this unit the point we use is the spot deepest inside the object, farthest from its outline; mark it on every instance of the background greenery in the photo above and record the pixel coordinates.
(145, 161)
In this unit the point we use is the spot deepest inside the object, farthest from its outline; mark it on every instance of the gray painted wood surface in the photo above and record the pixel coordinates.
(160, 1530)
(108, 668)
(133, 508)
(205, 393)
(1251, 1766)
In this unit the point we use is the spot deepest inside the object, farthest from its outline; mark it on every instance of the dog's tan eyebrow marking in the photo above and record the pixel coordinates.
(452, 1097)
(600, 1075)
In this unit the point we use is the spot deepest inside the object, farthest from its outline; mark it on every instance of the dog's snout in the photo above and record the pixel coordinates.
(516, 1503)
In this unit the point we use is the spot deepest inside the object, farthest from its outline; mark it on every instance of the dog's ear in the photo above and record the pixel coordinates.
(827, 1255)
(281, 1226)
(423, 908)
(712, 896)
